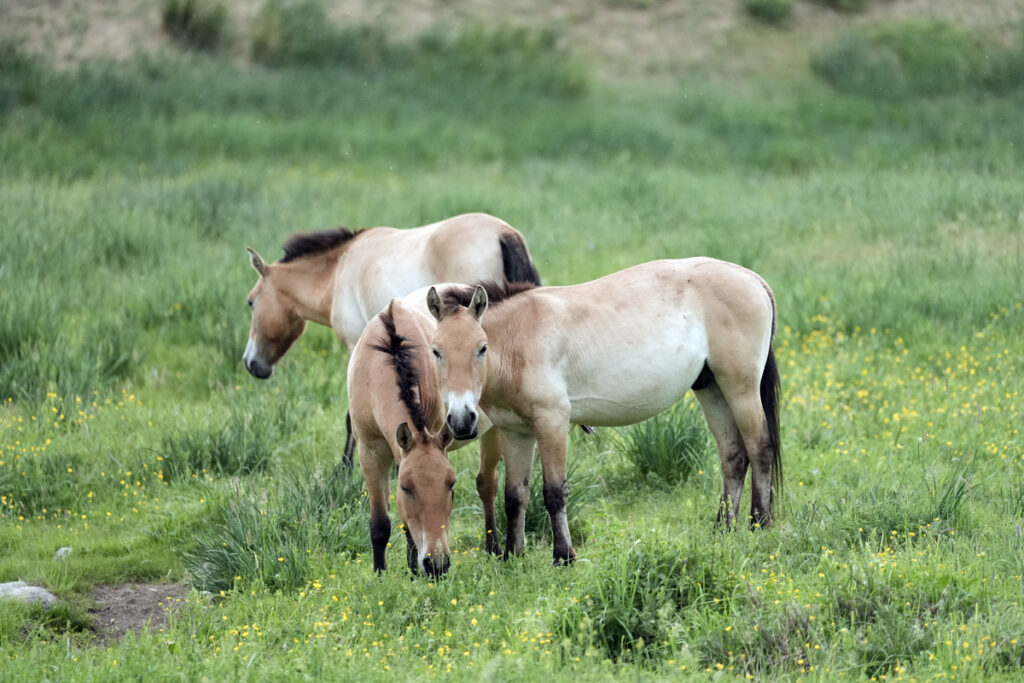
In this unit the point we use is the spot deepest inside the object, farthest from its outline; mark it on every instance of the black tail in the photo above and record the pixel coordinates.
(515, 259)
(770, 402)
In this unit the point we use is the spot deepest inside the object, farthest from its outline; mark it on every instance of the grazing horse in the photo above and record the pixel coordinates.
(612, 352)
(342, 278)
(396, 410)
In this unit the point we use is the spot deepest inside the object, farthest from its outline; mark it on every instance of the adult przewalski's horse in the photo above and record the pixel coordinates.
(342, 278)
(397, 417)
(612, 352)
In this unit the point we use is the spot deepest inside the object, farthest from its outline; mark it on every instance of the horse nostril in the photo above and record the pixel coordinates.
(436, 567)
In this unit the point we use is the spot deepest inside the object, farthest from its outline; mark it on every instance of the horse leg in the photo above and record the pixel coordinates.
(518, 465)
(731, 451)
(487, 484)
(752, 424)
(552, 441)
(376, 472)
(350, 441)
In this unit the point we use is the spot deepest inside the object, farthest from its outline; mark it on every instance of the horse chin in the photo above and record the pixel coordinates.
(467, 436)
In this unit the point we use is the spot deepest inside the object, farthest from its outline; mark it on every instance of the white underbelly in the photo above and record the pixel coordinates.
(638, 383)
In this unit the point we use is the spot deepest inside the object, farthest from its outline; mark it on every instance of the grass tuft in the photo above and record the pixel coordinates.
(668, 447)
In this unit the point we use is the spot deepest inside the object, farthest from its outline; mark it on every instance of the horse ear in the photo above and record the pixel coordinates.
(479, 303)
(445, 438)
(404, 437)
(257, 262)
(434, 304)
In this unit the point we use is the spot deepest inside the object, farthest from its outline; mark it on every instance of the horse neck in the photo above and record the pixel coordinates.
(309, 282)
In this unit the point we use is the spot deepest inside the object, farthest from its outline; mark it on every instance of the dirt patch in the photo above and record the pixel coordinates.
(130, 607)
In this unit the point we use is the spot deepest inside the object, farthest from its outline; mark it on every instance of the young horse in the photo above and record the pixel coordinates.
(342, 278)
(612, 352)
(393, 401)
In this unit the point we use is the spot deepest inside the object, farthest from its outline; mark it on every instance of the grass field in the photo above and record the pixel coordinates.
(887, 217)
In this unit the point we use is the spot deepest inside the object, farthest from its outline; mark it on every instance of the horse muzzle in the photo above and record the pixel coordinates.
(258, 369)
(256, 366)
(436, 566)
(463, 425)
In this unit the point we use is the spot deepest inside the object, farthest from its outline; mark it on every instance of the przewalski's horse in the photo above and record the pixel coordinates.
(342, 278)
(612, 352)
(396, 407)
(393, 401)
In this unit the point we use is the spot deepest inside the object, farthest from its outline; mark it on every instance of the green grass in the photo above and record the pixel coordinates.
(889, 229)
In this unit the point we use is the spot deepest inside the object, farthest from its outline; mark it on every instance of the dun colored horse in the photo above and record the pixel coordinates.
(398, 417)
(342, 278)
(611, 352)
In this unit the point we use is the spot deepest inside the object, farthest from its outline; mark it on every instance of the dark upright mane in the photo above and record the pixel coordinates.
(408, 378)
(454, 297)
(306, 243)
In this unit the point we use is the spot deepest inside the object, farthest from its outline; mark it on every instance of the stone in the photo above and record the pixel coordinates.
(22, 592)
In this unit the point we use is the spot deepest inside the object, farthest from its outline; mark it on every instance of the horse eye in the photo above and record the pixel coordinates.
(250, 302)
(408, 492)
(437, 353)
(451, 486)
(482, 351)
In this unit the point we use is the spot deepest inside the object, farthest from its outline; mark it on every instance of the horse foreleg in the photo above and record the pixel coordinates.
(731, 451)
(518, 464)
(376, 473)
(552, 442)
(487, 485)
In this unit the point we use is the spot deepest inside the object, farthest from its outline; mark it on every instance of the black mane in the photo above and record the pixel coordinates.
(454, 297)
(306, 243)
(401, 353)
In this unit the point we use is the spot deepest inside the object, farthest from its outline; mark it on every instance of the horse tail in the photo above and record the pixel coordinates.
(515, 259)
(770, 402)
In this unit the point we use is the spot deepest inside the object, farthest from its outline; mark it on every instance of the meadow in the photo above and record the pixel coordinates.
(888, 219)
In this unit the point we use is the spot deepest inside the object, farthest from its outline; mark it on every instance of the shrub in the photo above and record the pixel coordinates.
(911, 58)
(272, 536)
(22, 81)
(243, 443)
(299, 33)
(669, 446)
(774, 12)
(195, 23)
(850, 6)
(635, 610)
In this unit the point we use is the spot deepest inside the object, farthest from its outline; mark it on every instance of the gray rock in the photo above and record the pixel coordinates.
(22, 592)
(62, 552)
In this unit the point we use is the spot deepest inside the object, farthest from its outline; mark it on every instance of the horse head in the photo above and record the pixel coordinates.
(426, 492)
(275, 322)
(459, 346)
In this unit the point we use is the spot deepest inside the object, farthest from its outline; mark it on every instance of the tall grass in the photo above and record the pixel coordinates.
(669, 447)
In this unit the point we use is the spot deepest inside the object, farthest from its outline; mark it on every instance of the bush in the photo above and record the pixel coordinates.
(244, 443)
(299, 33)
(635, 610)
(670, 446)
(271, 537)
(195, 23)
(850, 6)
(894, 61)
(775, 12)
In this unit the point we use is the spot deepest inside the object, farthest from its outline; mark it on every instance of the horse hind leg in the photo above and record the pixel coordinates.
(731, 450)
(761, 450)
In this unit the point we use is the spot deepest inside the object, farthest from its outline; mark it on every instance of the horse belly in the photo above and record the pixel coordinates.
(640, 383)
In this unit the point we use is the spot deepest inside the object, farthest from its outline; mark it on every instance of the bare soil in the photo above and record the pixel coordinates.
(615, 37)
(130, 607)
